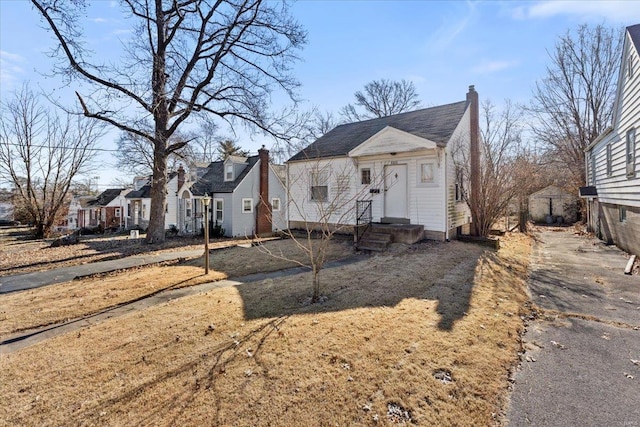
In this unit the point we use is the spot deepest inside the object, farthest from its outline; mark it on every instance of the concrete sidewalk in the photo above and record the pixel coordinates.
(580, 366)
(22, 282)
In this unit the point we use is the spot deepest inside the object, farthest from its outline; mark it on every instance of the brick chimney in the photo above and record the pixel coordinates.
(180, 177)
(263, 218)
(474, 154)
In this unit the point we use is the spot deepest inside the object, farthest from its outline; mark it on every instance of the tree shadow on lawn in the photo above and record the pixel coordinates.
(447, 278)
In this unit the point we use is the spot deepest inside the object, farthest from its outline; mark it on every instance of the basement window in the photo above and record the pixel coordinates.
(622, 212)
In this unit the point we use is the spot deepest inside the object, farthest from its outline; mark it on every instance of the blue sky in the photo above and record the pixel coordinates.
(443, 47)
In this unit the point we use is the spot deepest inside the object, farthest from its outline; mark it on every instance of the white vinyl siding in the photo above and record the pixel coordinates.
(614, 185)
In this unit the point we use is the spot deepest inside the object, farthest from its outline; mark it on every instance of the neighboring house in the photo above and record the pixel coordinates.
(6, 206)
(403, 164)
(139, 203)
(74, 217)
(105, 210)
(553, 205)
(613, 159)
(247, 197)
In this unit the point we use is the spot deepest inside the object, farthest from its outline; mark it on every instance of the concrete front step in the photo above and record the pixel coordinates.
(382, 237)
(400, 233)
(373, 245)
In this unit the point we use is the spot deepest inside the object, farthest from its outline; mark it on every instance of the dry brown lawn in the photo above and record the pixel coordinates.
(21, 254)
(425, 334)
(58, 303)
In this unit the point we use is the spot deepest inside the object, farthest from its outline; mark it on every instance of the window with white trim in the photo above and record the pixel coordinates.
(247, 205)
(218, 210)
(426, 173)
(275, 205)
(609, 161)
(228, 172)
(365, 176)
(631, 153)
(117, 212)
(319, 187)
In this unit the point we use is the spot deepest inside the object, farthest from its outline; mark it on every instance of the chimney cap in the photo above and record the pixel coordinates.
(472, 88)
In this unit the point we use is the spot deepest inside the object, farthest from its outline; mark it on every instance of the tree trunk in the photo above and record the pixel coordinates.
(155, 232)
(316, 285)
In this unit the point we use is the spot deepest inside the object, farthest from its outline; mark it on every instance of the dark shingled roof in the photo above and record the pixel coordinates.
(634, 32)
(435, 123)
(213, 180)
(143, 193)
(106, 197)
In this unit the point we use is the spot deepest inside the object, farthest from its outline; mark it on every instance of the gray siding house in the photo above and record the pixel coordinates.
(613, 159)
(248, 197)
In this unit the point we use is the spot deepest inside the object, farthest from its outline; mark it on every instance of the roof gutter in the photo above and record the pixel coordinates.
(600, 137)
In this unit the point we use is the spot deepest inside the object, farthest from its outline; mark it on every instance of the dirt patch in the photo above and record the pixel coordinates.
(255, 355)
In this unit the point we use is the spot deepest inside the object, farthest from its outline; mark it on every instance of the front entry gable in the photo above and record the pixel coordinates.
(391, 140)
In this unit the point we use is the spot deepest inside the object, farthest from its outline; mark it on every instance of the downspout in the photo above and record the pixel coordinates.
(586, 172)
(446, 199)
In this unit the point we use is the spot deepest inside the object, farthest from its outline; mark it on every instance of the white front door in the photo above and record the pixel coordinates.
(395, 191)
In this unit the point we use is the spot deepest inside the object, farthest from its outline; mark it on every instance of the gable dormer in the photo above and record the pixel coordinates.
(233, 167)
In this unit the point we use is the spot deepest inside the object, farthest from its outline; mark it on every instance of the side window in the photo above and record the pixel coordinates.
(631, 153)
(365, 176)
(218, 206)
(247, 205)
(319, 188)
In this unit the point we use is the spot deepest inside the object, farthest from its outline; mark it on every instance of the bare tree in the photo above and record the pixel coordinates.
(500, 140)
(573, 104)
(135, 153)
(321, 199)
(40, 155)
(381, 98)
(224, 58)
(302, 128)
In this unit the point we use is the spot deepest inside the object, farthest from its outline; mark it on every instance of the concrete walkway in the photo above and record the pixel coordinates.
(582, 360)
(23, 282)
(26, 338)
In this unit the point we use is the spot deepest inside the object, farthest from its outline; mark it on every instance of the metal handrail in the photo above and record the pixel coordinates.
(363, 217)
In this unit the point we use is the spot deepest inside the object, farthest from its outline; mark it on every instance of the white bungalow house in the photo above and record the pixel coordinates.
(248, 197)
(613, 159)
(400, 167)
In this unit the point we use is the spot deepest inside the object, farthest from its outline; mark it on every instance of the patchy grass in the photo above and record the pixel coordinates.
(57, 303)
(427, 334)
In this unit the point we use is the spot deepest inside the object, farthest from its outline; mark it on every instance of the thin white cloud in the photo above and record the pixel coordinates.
(448, 31)
(619, 11)
(12, 57)
(121, 31)
(98, 20)
(487, 67)
(10, 68)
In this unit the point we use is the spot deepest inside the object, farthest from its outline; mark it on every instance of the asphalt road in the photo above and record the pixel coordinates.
(582, 361)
